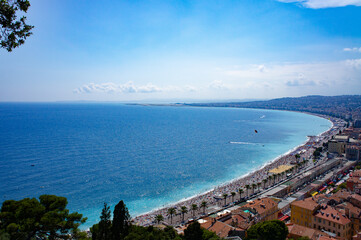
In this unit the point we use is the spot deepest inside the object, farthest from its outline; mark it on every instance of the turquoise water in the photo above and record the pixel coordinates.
(146, 156)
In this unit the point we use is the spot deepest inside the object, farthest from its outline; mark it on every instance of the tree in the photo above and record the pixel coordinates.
(194, 208)
(158, 218)
(103, 229)
(14, 30)
(171, 212)
(264, 183)
(33, 219)
(247, 188)
(184, 210)
(274, 176)
(240, 191)
(225, 195)
(193, 232)
(121, 221)
(204, 205)
(259, 185)
(297, 156)
(233, 194)
(253, 187)
(268, 230)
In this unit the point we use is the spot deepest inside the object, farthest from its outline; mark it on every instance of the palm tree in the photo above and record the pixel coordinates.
(264, 183)
(247, 187)
(274, 178)
(233, 194)
(240, 191)
(159, 218)
(253, 187)
(184, 210)
(194, 208)
(270, 179)
(204, 205)
(171, 212)
(259, 184)
(225, 195)
(297, 156)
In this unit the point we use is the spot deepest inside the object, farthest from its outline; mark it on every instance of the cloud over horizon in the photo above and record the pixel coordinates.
(128, 88)
(110, 87)
(317, 4)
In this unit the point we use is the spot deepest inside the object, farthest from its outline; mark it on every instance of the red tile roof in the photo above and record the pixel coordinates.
(307, 203)
(332, 215)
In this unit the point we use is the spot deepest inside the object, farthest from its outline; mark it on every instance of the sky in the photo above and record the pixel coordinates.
(118, 50)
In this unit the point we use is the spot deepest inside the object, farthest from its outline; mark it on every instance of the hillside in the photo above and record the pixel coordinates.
(345, 106)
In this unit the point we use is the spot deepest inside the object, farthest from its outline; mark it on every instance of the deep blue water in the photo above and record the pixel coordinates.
(146, 156)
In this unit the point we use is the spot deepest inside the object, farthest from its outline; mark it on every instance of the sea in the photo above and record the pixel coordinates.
(147, 156)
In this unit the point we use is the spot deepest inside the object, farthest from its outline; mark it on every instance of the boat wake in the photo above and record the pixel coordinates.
(244, 143)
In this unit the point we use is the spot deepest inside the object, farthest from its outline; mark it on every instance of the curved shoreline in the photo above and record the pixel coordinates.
(254, 176)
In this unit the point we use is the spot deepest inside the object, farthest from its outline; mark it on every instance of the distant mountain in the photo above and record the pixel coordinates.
(345, 106)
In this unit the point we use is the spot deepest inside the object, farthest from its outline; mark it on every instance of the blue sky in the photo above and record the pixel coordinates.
(159, 50)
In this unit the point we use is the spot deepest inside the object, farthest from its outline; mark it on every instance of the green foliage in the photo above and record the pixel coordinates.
(268, 230)
(13, 30)
(159, 218)
(317, 152)
(102, 230)
(151, 233)
(171, 212)
(193, 232)
(303, 238)
(47, 219)
(121, 221)
(342, 186)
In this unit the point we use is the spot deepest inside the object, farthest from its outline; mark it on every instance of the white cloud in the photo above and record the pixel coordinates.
(219, 85)
(304, 78)
(316, 4)
(352, 49)
(129, 88)
(354, 63)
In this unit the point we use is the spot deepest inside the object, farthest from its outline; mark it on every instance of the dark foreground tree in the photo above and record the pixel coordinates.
(193, 231)
(148, 233)
(268, 230)
(44, 219)
(121, 221)
(14, 29)
(102, 230)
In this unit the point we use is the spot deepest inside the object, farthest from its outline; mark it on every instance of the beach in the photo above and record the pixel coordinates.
(215, 197)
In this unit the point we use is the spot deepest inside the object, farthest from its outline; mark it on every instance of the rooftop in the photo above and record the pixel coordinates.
(220, 228)
(261, 205)
(307, 203)
(332, 215)
(301, 231)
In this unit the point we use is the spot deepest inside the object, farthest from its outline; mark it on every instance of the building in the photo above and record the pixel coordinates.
(296, 231)
(221, 229)
(302, 211)
(357, 123)
(353, 213)
(263, 209)
(330, 220)
(353, 152)
(335, 146)
(354, 184)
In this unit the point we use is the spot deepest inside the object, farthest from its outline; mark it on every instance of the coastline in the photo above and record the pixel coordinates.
(213, 196)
